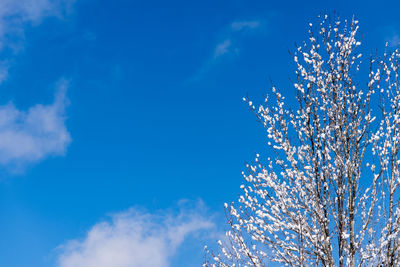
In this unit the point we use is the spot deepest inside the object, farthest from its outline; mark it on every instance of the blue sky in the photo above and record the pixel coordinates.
(122, 125)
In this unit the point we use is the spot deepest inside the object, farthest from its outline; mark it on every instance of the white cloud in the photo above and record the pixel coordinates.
(29, 136)
(134, 239)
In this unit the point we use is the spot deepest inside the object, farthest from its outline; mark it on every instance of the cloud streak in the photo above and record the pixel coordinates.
(134, 239)
(227, 45)
(30, 136)
(242, 25)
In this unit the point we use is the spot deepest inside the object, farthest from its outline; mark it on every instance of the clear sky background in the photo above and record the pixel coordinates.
(122, 125)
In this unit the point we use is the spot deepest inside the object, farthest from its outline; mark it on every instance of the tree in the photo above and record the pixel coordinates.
(330, 194)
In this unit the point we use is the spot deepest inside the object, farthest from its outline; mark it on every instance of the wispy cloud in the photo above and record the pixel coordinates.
(393, 40)
(30, 136)
(16, 15)
(222, 48)
(134, 239)
(228, 44)
(231, 40)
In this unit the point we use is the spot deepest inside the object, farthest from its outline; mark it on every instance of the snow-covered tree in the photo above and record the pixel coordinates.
(328, 193)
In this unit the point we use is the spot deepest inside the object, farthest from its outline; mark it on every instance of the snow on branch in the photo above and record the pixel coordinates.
(329, 195)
